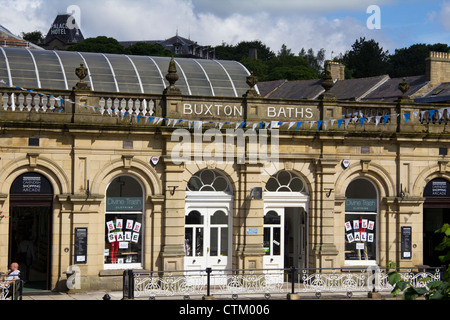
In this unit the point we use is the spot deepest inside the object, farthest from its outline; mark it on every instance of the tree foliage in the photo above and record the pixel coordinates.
(148, 49)
(268, 65)
(434, 290)
(99, 44)
(35, 37)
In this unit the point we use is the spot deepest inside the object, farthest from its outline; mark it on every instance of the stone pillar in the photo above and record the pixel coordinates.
(325, 247)
(250, 216)
(173, 219)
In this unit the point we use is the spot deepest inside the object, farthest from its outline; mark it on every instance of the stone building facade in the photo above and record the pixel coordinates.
(106, 180)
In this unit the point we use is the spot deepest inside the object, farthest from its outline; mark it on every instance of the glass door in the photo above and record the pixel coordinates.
(274, 239)
(206, 242)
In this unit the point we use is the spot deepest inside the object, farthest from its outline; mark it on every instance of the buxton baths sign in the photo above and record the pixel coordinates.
(232, 110)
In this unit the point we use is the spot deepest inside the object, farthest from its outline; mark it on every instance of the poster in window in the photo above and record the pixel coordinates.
(119, 223)
(364, 223)
(348, 226)
(370, 237)
(135, 237)
(350, 237)
(355, 224)
(129, 224)
(137, 227)
(111, 237)
(110, 225)
(371, 225)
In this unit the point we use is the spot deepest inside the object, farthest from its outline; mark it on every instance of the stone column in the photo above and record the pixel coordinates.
(325, 247)
(250, 216)
(173, 219)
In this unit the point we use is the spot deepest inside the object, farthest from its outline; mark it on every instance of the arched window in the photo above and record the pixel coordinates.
(361, 208)
(209, 180)
(285, 181)
(124, 223)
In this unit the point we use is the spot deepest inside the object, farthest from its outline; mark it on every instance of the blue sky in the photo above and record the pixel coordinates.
(329, 24)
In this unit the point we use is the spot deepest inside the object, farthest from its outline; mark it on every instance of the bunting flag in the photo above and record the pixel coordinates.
(59, 101)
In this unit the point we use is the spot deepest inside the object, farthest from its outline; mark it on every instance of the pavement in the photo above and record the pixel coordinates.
(118, 295)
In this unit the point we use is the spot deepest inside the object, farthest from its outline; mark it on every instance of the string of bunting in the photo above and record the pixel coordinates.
(197, 124)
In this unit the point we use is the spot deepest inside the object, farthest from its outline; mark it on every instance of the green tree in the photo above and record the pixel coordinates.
(406, 62)
(35, 37)
(435, 290)
(315, 61)
(148, 49)
(100, 44)
(366, 59)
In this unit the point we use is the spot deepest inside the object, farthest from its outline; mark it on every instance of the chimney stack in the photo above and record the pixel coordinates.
(337, 70)
(438, 67)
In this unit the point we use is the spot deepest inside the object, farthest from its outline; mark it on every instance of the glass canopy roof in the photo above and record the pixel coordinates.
(43, 69)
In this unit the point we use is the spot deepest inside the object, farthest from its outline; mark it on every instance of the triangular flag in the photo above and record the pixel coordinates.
(340, 122)
(377, 120)
(362, 121)
(299, 123)
(386, 117)
(406, 115)
(319, 124)
(291, 124)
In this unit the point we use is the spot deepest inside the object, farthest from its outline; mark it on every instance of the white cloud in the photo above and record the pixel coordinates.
(296, 23)
(444, 15)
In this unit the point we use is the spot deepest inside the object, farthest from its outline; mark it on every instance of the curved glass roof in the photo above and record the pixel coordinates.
(43, 69)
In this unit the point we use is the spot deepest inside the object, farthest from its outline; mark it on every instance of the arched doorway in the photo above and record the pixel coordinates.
(286, 203)
(31, 198)
(208, 221)
(436, 212)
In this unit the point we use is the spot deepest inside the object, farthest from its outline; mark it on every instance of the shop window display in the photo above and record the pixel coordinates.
(361, 207)
(123, 222)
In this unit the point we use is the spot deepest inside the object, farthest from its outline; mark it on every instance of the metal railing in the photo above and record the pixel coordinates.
(266, 283)
(12, 291)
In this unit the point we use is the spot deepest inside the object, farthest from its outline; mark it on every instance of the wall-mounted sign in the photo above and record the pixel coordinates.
(80, 245)
(345, 163)
(437, 188)
(406, 242)
(360, 205)
(154, 160)
(31, 183)
(124, 204)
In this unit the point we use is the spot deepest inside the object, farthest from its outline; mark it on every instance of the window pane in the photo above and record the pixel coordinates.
(214, 242)
(199, 242)
(276, 242)
(267, 241)
(123, 240)
(194, 217)
(360, 236)
(219, 217)
(272, 218)
(188, 234)
(224, 242)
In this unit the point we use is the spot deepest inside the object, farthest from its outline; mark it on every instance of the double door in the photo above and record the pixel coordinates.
(207, 237)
